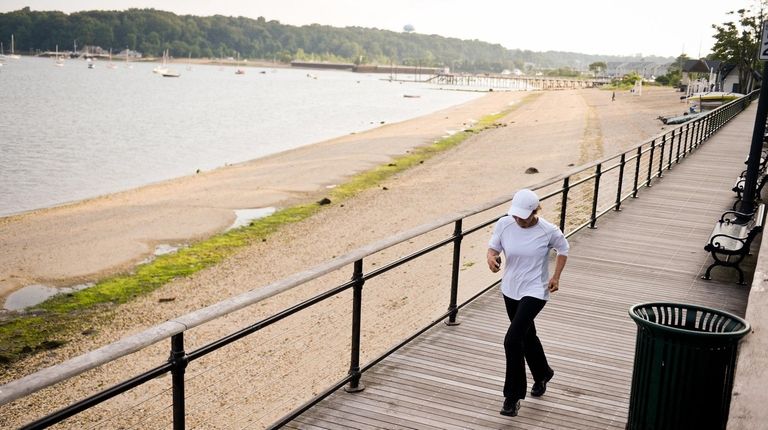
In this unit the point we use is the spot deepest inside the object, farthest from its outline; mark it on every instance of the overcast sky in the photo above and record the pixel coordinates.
(611, 27)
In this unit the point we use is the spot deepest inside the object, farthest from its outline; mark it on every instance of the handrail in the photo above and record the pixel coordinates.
(696, 132)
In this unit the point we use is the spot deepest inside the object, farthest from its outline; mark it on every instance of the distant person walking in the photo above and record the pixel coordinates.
(613, 96)
(525, 240)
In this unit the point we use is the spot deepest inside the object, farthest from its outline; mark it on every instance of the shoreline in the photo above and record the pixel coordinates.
(210, 209)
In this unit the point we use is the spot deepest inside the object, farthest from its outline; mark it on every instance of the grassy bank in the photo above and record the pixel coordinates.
(67, 316)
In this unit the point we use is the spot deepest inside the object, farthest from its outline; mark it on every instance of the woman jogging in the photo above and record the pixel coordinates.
(525, 240)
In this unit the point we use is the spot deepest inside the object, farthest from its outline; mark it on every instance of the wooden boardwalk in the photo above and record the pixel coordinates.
(451, 377)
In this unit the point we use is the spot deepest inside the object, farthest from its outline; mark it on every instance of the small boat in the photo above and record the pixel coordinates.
(127, 54)
(411, 96)
(91, 64)
(59, 61)
(674, 120)
(13, 56)
(711, 100)
(239, 71)
(163, 67)
(715, 95)
(170, 73)
(111, 65)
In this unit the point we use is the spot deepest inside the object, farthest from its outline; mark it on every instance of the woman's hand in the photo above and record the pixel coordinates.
(554, 284)
(494, 260)
(554, 281)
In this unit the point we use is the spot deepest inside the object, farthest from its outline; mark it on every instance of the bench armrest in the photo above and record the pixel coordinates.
(760, 216)
(741, 216)
(716, 242)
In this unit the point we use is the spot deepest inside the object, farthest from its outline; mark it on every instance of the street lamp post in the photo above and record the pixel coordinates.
(758, 132)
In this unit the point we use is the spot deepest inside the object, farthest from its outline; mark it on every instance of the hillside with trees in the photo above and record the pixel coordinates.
(151, 31)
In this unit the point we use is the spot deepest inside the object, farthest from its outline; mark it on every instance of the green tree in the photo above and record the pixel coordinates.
(597, 67)
(674, 72)
(630, 79)
(737, 42)
(677, 65)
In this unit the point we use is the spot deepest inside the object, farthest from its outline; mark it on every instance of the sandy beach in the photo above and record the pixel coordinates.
(285, 364)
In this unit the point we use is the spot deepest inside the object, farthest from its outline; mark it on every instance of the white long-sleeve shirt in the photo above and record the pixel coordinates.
(526, 263)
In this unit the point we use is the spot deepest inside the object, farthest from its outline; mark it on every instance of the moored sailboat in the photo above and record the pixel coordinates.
(12, 55)
(128, 64)
(163, 67)
(111, 65)
(59, 61)
(239, 71)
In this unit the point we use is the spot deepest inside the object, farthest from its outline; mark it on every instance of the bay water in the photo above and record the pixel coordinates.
(71, 133)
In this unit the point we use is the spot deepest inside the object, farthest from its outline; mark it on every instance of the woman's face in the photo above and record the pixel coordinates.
(526, 222)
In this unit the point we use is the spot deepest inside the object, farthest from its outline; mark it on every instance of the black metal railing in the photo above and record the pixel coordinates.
(581, 197)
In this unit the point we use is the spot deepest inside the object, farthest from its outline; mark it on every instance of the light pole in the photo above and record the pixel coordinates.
(758, 132)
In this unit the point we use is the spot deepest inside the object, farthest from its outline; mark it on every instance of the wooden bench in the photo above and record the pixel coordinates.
(738, 187)
(731, 238)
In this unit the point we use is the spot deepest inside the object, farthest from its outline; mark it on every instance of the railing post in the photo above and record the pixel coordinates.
(679, 142)
(179, 360)
(698, 131)
(650, 163)
(452, 308)
(691, 137)
(637, 170)
(622, 162)
(723, 118)
(661, 155)
(357, 304)
(707, 126)
(564, 202)
(671, 149)
(598, 173)
(718, 119)
(687, 148)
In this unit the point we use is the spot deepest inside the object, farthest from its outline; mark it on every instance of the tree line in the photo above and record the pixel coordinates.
(151, 31)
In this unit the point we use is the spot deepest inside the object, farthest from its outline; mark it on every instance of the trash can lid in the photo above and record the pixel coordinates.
(689, 320)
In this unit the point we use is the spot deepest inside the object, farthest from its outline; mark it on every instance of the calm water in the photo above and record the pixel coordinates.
(70, 133)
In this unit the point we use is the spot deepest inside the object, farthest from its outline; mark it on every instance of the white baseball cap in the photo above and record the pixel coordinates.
(523, 204)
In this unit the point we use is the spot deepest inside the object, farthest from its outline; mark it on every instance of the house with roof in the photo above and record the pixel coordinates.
(729, 78)
(712, 75)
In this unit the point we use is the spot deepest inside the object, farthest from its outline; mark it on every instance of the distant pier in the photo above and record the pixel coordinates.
(440, 76)
(515, 82)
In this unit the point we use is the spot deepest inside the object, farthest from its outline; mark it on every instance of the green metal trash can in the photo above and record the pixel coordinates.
(685, 357)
